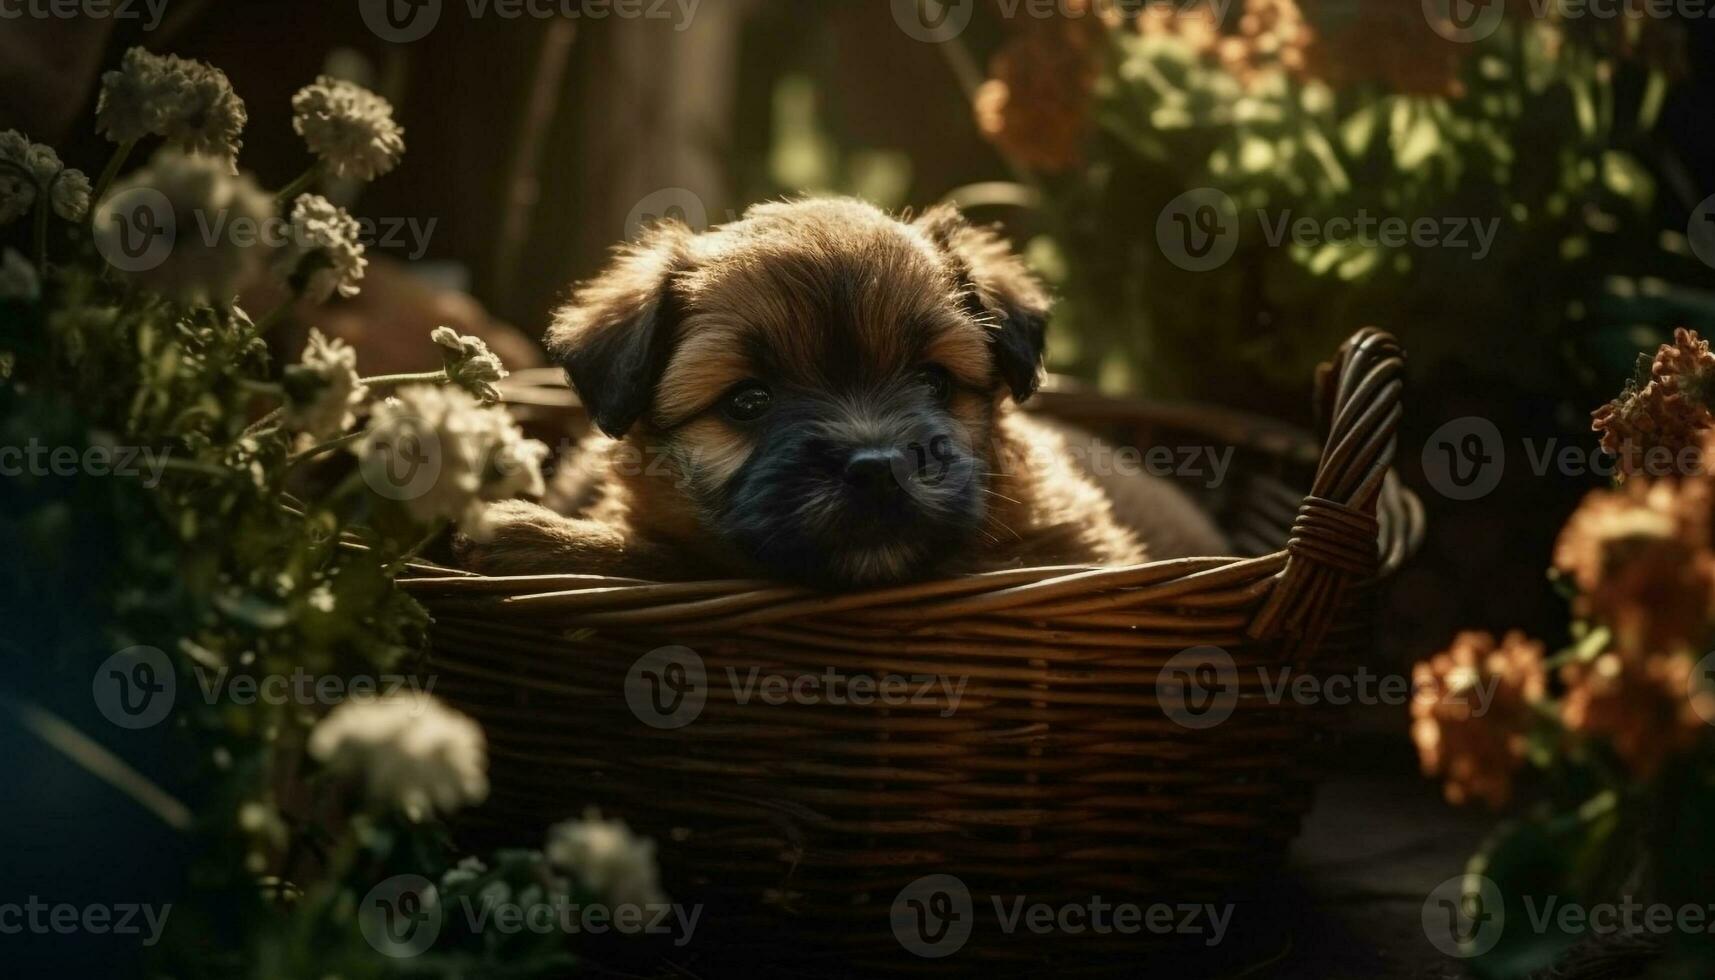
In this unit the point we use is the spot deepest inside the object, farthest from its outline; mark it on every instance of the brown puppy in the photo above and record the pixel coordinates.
(818, 393)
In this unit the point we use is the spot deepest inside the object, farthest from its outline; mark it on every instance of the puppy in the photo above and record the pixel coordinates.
(819, 393)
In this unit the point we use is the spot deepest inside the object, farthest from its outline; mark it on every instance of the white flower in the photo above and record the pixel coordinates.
(14, 146)
(17, 195)
(17, 180)
(325, 254)
(607, 858)
(467, 870)
(208, 116)
(469, 363)
(460, 454)
(189, 102)
(70, 195)
(43, 163)
(18, 278)
(349, 128)
(411, 753)
(323, 389)
(205, 261)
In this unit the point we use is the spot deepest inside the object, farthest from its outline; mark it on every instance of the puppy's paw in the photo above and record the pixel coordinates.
(522, 538)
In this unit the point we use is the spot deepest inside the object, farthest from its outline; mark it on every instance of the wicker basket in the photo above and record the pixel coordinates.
(1068, 768)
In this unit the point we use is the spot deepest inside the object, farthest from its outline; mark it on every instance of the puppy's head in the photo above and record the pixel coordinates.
(823, 379)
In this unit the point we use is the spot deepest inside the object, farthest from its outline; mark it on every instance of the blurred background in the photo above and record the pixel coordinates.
(1560, 158)
(1553, 173)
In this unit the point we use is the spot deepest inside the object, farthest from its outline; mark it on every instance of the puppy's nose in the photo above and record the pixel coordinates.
(874, 472)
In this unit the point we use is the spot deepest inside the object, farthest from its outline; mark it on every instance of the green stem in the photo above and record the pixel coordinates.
(300, 184)
(393, 566)
(429, 377)
(272, 318)
(43, 206)
(322, 449)
(264, 422)
(109, 172)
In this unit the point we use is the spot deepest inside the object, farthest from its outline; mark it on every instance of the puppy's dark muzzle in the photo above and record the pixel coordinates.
(874, 475)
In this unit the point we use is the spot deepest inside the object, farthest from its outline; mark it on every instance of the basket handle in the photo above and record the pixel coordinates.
(1334, 542)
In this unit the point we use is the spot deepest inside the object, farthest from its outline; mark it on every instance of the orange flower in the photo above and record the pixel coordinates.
(1642, 562)
(1271, 35)
(1647, 708)
(1668, 415)
(1036, 104)
(1388, 43)
(1471, 713)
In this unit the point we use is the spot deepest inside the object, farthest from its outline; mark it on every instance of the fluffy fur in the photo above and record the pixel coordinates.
(891, 353)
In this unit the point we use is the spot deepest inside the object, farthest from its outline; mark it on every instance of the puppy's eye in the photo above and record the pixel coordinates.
(747, 402)
(937, 380)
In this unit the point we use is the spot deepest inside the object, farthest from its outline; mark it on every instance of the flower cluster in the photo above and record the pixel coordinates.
(1640, 562)
(607, 858)
(195, 267)
(32, 172)
(466, 453)
(470, 364)
(323, 390)
(349, 128)
(1665, 409)
(412, 754)
(324, 255)
(1477, 751)
(190, 103)
(1035, 105)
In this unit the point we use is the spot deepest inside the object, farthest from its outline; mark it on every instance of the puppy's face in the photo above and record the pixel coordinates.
(822, 377)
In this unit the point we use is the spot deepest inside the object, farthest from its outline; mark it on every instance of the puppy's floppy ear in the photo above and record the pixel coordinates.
(1000, 289)
(616, 334)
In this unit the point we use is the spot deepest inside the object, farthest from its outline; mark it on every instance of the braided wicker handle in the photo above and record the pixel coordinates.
(1335, 541)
